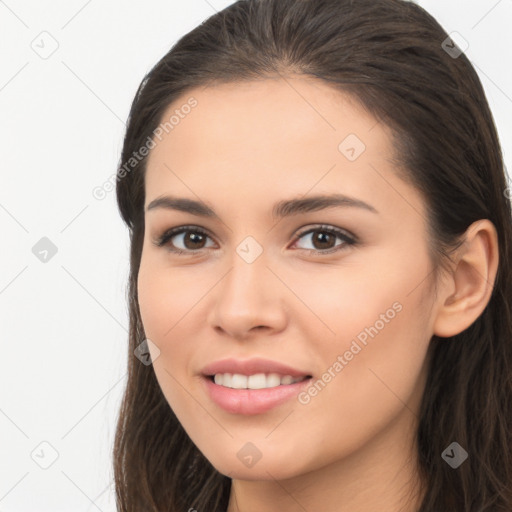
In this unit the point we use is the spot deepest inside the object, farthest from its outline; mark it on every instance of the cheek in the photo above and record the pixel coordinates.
(160, 312)
(168, 301)
(381, 372)
(166, 296)
(341, 304)
(374, 363)
(161, 308)
(153, 303)
(383, 328)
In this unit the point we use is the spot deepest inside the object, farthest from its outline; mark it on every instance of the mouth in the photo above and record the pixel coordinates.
(252, 394)
(252, 386)
(254, 381)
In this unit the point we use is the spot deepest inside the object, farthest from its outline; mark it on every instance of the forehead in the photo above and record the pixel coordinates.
(272, 137)
(241, 117)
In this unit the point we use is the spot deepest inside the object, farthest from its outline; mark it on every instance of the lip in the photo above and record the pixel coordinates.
(251, 401)
(251, 366)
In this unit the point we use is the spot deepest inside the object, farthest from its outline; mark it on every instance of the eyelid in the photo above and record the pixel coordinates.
(167, 234)
(325, 227)
(346, 236)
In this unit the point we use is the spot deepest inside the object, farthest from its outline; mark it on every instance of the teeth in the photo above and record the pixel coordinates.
(238, 381)
(256, 381)
(287, 379)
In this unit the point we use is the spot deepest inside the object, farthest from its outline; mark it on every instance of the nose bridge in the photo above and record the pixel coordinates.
(248, 271)
(248, 296)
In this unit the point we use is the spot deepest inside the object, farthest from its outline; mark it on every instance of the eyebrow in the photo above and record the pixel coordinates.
(281, 209)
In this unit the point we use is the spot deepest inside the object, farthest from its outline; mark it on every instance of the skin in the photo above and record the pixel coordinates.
(245, 147)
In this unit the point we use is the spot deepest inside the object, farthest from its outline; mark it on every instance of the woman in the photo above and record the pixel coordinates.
(370, 369)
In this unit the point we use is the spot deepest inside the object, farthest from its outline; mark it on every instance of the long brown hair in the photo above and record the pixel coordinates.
(395, 59)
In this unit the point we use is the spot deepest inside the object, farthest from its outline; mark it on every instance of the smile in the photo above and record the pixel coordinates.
(255, 381)
(240, 397)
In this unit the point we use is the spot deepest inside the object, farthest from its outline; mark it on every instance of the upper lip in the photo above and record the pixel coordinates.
(250, 367)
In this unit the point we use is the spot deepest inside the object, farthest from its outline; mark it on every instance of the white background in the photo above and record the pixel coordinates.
(64, 322)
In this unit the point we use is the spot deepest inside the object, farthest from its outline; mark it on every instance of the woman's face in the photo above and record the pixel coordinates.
(336, 291)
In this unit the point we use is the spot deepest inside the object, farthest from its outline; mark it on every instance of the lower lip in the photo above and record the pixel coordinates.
(252, 401)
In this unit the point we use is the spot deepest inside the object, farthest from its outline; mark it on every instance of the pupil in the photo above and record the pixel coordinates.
(322, 235)
(195, 238)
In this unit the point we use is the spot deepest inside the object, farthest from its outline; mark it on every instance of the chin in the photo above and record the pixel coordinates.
(260, 471)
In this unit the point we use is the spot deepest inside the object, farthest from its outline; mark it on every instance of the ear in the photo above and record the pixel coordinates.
(468, 288)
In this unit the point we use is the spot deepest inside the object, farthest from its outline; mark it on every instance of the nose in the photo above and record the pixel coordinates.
(248, 300)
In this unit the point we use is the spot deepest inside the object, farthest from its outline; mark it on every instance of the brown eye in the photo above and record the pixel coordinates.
(186, 239)
(190, 239)
(193, 240)
(323, 239)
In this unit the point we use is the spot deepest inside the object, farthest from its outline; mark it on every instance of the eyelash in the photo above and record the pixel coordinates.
(349, 241)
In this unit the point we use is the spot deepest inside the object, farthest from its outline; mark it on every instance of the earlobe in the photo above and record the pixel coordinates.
(469, 288)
